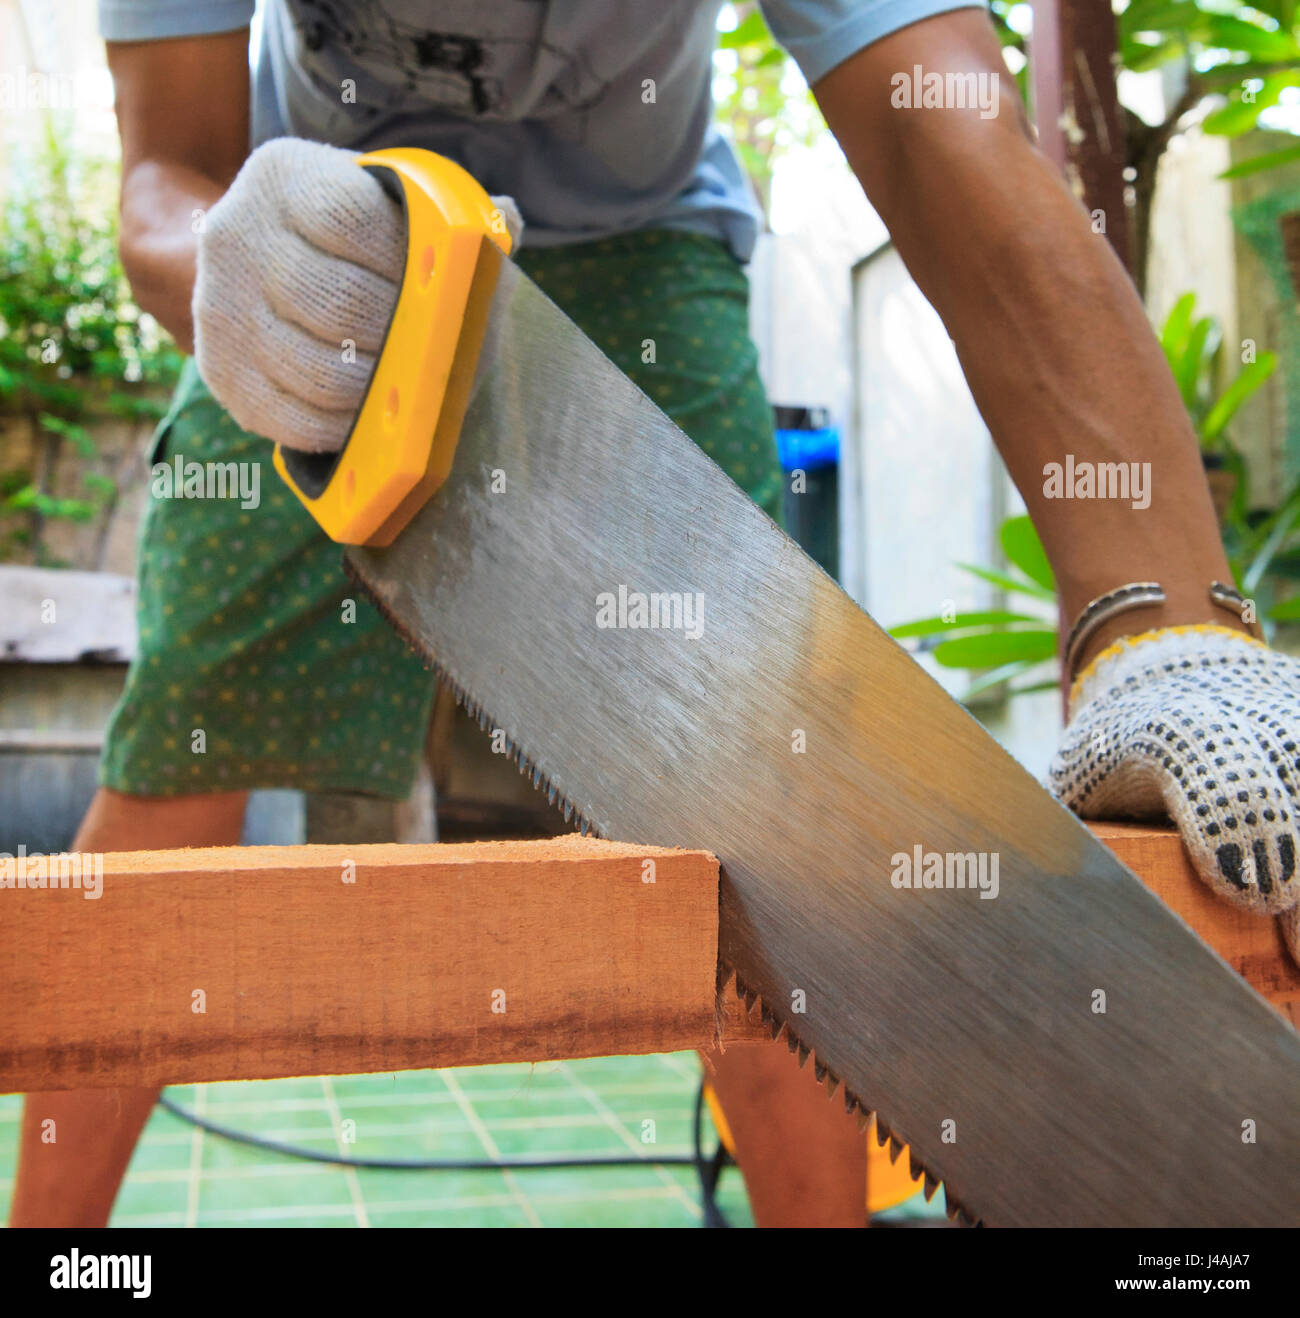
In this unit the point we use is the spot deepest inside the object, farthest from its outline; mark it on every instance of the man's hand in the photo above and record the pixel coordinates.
(299, 266)
(1203, 725)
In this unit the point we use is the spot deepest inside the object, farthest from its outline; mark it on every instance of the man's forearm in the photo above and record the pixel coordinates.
(182, 113)
(1064, 367)
(163, 206)
(1049, 330)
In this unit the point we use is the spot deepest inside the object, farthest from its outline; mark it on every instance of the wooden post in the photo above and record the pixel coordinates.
(1076, 109)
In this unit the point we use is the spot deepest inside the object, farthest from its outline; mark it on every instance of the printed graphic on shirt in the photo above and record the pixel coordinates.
(498, 60)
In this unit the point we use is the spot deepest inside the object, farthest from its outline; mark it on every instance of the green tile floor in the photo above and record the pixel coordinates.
(182, 1176)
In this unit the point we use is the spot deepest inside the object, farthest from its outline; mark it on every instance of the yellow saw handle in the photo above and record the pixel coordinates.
(404, 437)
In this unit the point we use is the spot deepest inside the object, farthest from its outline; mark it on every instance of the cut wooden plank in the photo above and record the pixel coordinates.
(252, 962)
(1250, 944)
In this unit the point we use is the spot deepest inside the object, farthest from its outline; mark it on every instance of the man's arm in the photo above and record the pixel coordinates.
(182, 113)
(1049, 330)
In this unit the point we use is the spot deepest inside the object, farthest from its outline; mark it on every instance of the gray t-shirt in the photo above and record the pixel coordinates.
(595, 115)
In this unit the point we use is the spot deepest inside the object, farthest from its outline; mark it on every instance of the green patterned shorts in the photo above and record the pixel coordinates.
(259, 664)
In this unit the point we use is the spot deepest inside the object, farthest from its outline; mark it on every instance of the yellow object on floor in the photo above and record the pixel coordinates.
(888, 1183)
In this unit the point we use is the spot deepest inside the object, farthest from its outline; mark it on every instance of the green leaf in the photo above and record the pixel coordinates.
(1251, 378)
(751, 30)
(1178, 323)
(1258, 164)
(995, 677)
(933, 626)
(1284, 521)
(1260, 43)
(1286, 565)
(1240, 115)
(1282, 10)
(1052, 684)
(1140, 57)
(1193, 359)
(994, 648)
(1181, 16)
(77, 435)
(29, 497)
(1287, 611)
(1008, 583)
(1023, 548)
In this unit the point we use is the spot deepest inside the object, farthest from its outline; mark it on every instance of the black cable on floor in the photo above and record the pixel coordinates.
(706, 1169)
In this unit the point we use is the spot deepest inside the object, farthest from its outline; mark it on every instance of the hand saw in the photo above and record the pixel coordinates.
(525, 533)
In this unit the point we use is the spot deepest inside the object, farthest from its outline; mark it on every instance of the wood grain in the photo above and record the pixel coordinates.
(1250, 944)
(301, 973)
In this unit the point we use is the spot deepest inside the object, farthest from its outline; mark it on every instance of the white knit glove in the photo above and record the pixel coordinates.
(1201, 724)
(299, 266)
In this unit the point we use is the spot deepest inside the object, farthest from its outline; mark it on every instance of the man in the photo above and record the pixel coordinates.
(279, 268)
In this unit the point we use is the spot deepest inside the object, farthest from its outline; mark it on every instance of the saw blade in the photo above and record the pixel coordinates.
(678, 672)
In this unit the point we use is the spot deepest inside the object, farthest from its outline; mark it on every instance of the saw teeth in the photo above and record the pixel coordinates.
(864, 1120)
(474, 710)
(751, 997)
(914, 1168)
(930, 1186)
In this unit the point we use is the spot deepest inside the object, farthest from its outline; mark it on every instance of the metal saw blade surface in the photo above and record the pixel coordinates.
(799, 743)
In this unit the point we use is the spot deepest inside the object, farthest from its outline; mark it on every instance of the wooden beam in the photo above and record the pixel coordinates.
(252, 962)
(1250, 944)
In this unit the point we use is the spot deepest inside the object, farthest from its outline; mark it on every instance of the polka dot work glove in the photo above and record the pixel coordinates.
(1202, 724)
